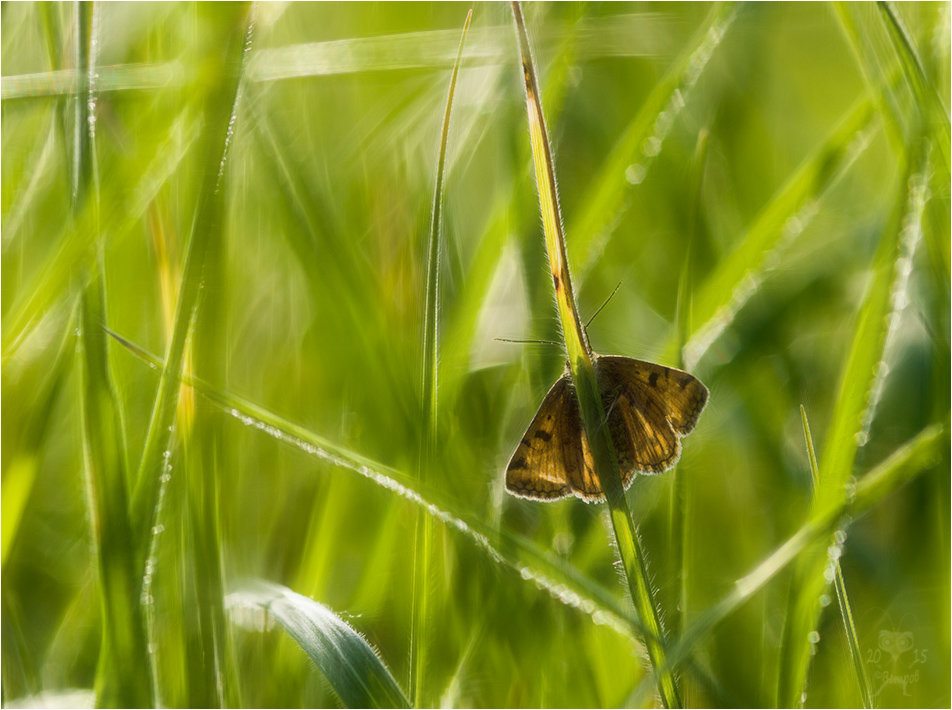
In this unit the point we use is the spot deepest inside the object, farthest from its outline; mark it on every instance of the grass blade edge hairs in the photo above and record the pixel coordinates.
(351, 665)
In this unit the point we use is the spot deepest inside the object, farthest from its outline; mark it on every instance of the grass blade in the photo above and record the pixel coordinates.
(221, 107)
(855, 403)
(350, 664)
(423, 552)
(579, 355)
(122, 677)
(848, 626)
(927, 98)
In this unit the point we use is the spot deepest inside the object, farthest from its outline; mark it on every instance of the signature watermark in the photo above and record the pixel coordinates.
(895, 662)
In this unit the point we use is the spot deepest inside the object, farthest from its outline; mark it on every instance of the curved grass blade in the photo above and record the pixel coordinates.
(350, 664)
(582, 369)
(848, 626)
(424, 528)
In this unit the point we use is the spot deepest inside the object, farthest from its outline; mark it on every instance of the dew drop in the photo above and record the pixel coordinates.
(635, 173)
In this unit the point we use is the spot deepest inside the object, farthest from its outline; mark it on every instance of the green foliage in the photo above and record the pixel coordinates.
(357, 675)
(798, 253)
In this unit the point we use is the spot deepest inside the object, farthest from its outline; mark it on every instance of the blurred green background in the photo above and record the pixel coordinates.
(755, 157)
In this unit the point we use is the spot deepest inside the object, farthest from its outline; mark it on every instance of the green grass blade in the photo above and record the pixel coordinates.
(423, 549)
(221, 105)
(350, 664)
(855, 403)
(681, 503)
(122, 677)
(844, 602)
(927, 97)
(582, 369)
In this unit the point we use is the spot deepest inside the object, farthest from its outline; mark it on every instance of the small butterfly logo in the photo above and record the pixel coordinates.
(648, 409)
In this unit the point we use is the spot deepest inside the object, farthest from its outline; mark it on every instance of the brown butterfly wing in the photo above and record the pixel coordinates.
(550, 456)
(649, 408)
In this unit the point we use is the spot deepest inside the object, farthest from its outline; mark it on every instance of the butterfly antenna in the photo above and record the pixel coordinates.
(612, 295)
(525, 342)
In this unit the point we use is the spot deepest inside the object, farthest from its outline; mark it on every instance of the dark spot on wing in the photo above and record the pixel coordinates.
(518, 463)
(653, 379)
(541, 434)
(685, 381)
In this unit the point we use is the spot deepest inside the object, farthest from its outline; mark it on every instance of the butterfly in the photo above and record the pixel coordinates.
(648, 408)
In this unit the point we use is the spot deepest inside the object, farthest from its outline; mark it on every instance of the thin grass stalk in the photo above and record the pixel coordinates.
(424, 530)
(121, 677)
(844, 602)
(581, 365)
(681, 501)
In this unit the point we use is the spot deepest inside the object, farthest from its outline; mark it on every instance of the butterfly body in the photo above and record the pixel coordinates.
(648, 408)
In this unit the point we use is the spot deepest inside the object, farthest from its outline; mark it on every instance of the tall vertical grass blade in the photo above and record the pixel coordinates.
(122, 678)
(582, 369)
(424, 531)
(860, 381)
(224, 71)
(351, 666)
(681, 503)
(845, 611)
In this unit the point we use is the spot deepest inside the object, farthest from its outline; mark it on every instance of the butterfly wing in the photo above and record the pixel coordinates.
(649, 408)
(550, 457)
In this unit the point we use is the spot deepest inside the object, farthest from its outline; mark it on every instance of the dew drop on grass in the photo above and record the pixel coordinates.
(840, 537)
(635, 173)
(825, 600)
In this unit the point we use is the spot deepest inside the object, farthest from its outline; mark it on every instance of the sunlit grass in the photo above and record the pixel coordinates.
(800, 255)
